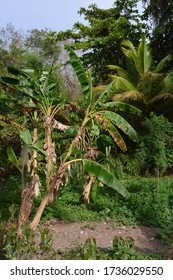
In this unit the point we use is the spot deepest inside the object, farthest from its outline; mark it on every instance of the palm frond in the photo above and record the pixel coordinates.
(160, 97)
(144, 60)
(119, 71)
(162, 63)
(120, 84)
(168, 81)
(129, 95)
(99, 89)
(128, 49)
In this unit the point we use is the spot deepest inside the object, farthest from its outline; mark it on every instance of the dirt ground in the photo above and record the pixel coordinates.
(66, 236)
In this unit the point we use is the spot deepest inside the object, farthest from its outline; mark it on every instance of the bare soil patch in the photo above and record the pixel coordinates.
(66, 236)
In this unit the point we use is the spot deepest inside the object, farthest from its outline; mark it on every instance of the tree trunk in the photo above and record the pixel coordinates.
(49, 147)
(26, 205)
(49, 197)
(55, 183)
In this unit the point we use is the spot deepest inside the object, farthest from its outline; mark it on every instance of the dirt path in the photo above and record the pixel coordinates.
(69, 235)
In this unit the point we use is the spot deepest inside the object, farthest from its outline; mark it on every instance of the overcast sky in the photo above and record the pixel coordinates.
(54, 14)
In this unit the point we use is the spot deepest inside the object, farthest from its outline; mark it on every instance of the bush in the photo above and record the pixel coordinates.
(155, 152)
(30, 245)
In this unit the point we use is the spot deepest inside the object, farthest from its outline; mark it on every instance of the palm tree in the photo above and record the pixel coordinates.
(100, 114)
(145, 84)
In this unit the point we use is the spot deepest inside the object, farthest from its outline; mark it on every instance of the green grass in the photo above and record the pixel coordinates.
(143, 207)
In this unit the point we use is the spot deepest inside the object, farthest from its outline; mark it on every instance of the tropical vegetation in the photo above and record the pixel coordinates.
(86, 129)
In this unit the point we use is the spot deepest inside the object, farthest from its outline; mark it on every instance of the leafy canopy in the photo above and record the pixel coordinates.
(100, 39)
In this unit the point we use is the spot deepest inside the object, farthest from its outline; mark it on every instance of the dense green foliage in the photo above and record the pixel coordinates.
(160, 14)
(147, 85)
(100, 38)
(67, 137)
(143, 207)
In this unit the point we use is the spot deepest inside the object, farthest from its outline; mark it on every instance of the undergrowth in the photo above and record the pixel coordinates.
(122, 249)
(145, 206)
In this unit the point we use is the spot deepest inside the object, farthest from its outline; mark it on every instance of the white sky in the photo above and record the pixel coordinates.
(54, 14)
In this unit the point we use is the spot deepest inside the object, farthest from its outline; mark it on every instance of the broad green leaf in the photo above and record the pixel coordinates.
(13, 70)
(111, 167)
(122, 107)
(26, 137)
(128, 49)
(22, 72)
(140, 57)
(168, 81)
(11, 155)
(122, 124)
(81, 75)
(27, 71)
(11, 81)
(103, 175)
(4, 107)
(36, 147)
(23, 160)
(115, 135)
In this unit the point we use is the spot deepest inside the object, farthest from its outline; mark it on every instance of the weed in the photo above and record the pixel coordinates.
(89, 226)
(123, 249)
(30, 245)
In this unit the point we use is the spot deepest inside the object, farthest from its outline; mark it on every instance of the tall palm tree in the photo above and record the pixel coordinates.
(145, 83)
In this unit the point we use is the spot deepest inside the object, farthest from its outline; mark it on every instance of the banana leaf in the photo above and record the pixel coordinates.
(103, 175)
(26, 137)
(22, 72)
(11, 81)
(115, 135)
(122, 107)
(79, 70)
(122, 124)
(11, 156)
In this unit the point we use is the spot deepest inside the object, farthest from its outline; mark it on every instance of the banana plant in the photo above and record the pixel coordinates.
(97, 112)
(36, 95)
(20, 162)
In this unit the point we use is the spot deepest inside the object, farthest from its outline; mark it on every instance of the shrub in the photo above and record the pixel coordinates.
(30, 245)
(155, 152)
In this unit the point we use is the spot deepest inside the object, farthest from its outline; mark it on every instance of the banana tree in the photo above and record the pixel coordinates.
(145, 82)
(36, 95)
(97, 113)
(36, 98)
